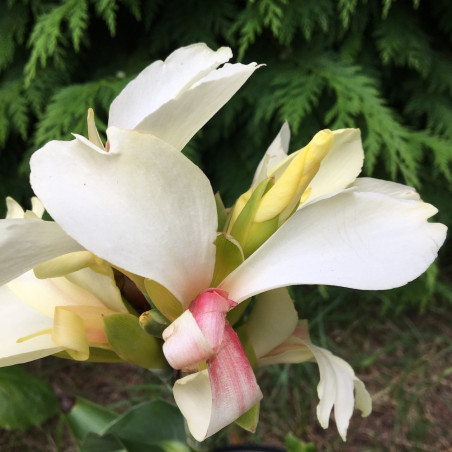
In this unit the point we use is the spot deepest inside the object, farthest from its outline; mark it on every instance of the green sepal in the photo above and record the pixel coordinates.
(242, 332)
(259, 233)
(235, 315)
(249, 420)
(222, 214)
(153, 322)
(86, 416)
(229, 256)
(133, 344)
(245, 220)
(163, 300)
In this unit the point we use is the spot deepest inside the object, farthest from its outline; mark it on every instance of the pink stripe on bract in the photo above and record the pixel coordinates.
(233, 383)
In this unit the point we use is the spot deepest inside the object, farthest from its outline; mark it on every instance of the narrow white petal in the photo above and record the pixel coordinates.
(353, 239)
(20, 320)
(272, 320)
(163, 80)
(25, 243)
(143, 206)
(180, 118)
(341, 165)
(13, 208)
(276, 152)
(335, 388)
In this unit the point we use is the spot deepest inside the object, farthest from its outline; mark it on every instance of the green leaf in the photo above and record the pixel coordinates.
(133, 344)
(25, 400)
(293, 444)
(88, 417)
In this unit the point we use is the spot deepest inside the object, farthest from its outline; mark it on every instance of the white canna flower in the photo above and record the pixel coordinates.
(143, 207)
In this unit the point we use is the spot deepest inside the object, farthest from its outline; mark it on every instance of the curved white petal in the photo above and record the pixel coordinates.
(173, 99)
(276, 152)
(213, 398)
(353, 239)
(393, 189)
(341, 165)
(21, 321)
(163, 80)
(143, 206)
(272, 320)
(180, 118)
(25, 243)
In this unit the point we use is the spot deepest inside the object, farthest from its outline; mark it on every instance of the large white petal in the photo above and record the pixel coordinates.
(20, 320)
(341, 165)
(354, 239)
(25, 243)
(162, 81)
(143, 206)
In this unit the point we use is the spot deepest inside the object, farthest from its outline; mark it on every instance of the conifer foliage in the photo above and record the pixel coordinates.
(380, 65)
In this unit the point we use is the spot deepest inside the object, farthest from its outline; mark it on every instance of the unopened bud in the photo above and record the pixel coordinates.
(153, 322)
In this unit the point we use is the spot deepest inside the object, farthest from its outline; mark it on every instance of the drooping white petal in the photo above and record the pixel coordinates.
(173, 99)
(341, 165)
(143, 206)
(276, 152)
(338, 386)
(25, 243)
(21, 321)
(272, 320)
(213, 398)
(180, 118)
(357, 240)
(393, 189)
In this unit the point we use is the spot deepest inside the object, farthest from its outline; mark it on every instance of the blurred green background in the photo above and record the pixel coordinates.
(381, 65)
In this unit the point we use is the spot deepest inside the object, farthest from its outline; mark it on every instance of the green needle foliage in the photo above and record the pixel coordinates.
(380, 65)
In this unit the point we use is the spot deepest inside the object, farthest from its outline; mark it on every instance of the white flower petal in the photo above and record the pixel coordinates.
(175, 98)
(341, 165)
(335, 388)
(162, 81)
(21, 321)
(393, 189)
(13, 208)
(272, 320)
(353, 239)
(143, 207)
(27, 243)
(180, 118)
